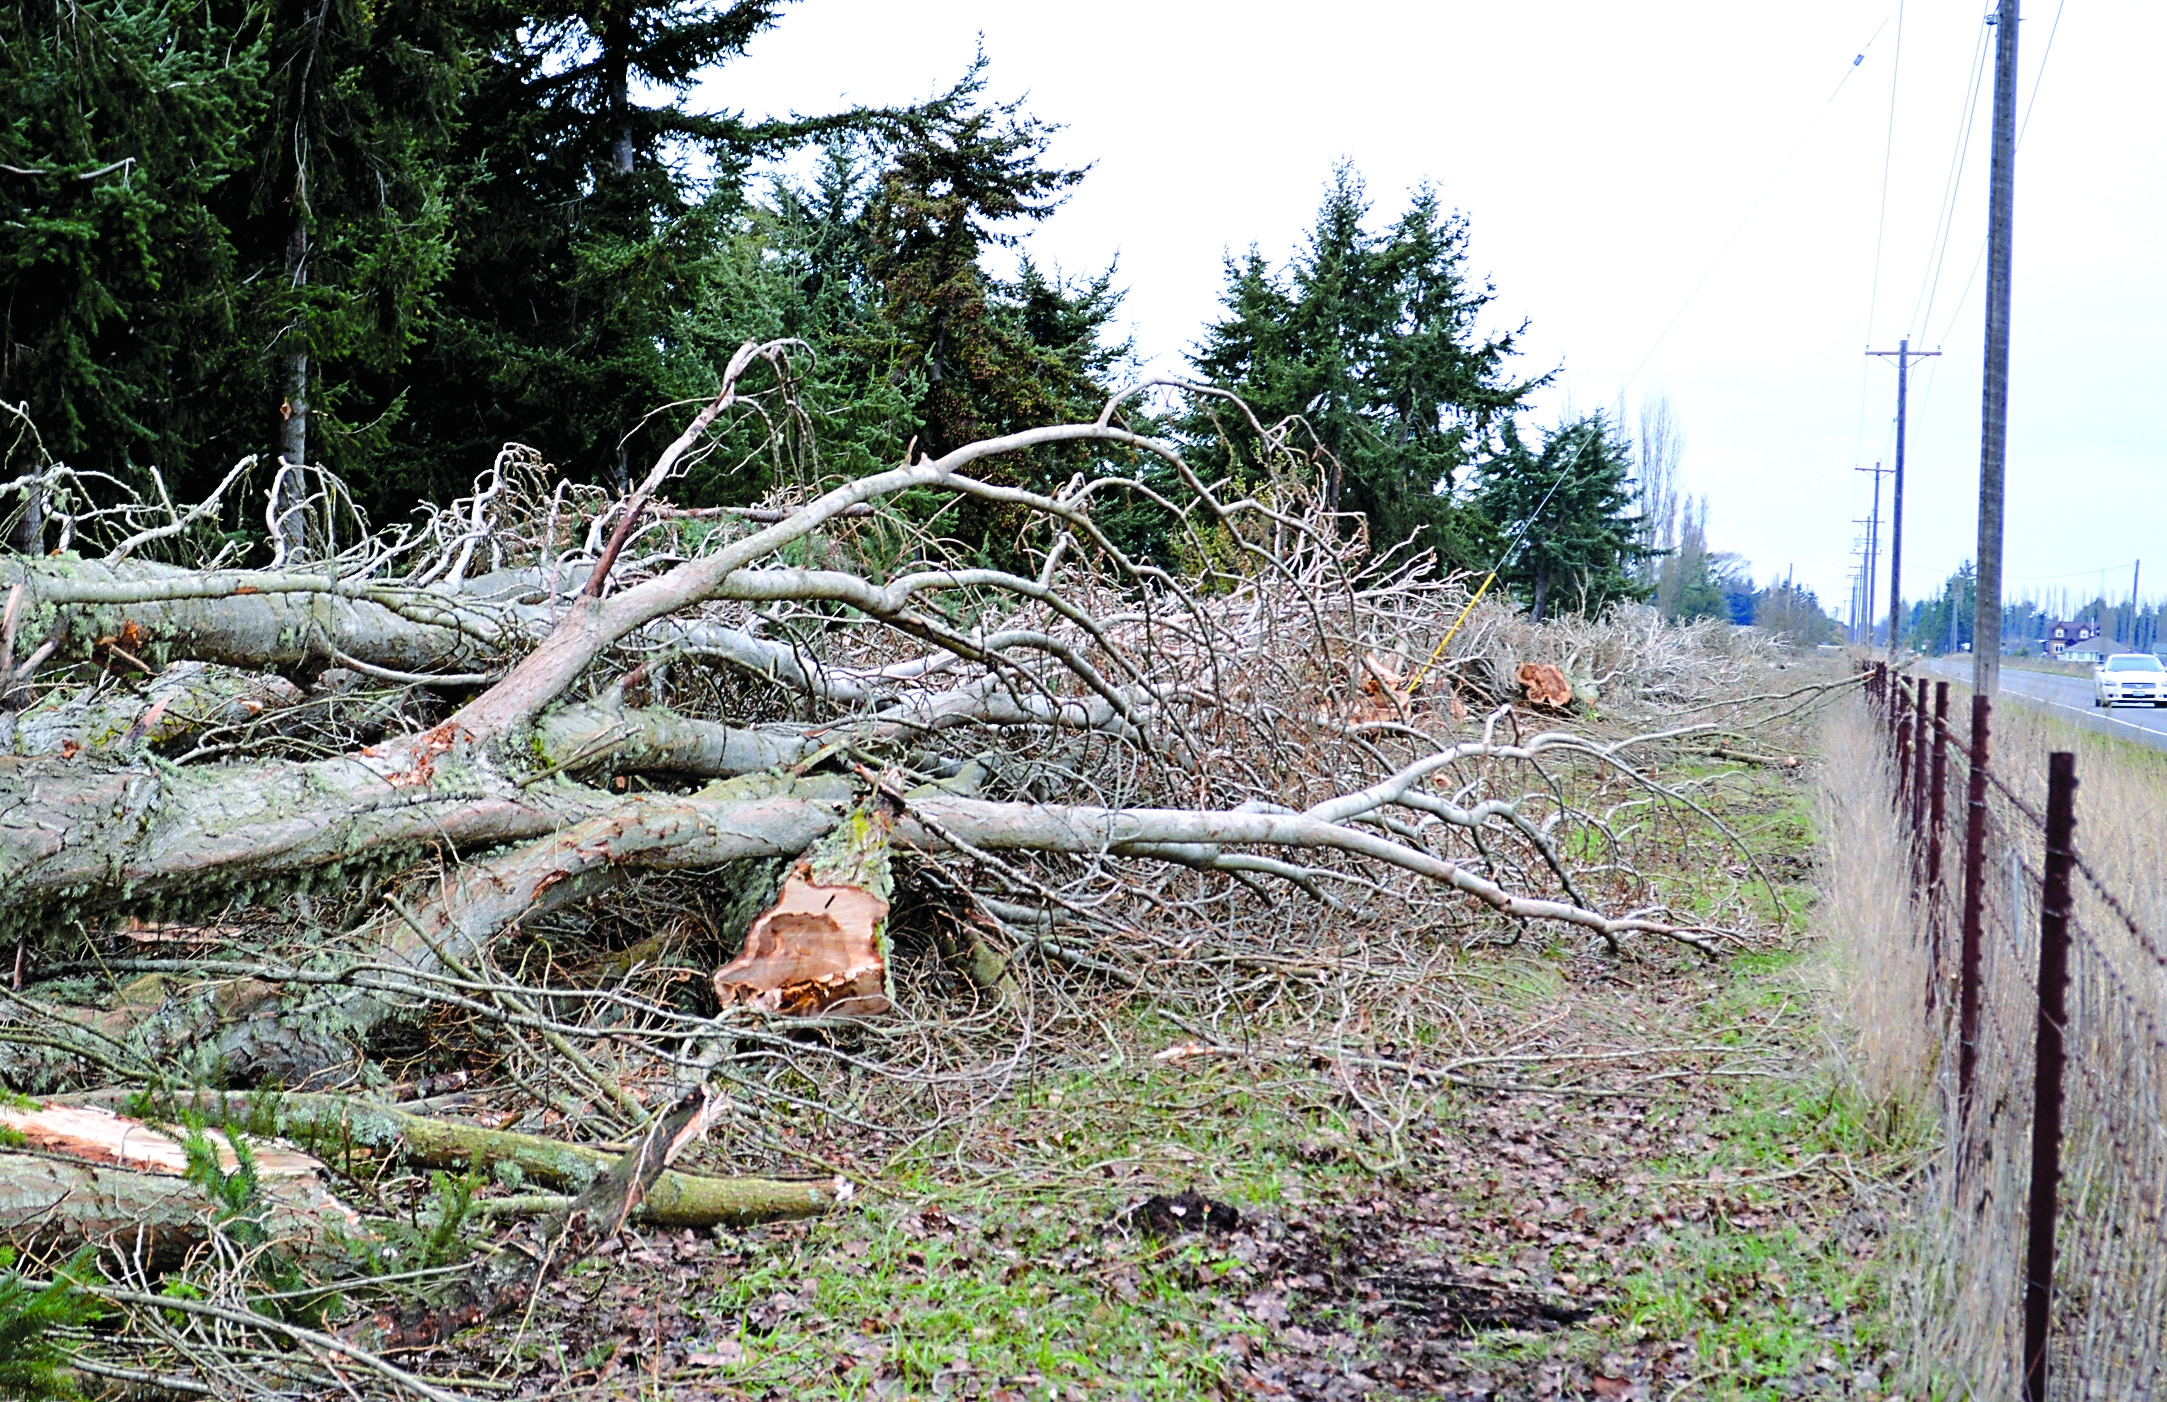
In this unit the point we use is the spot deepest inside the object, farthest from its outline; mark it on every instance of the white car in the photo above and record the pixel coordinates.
(2129, 677)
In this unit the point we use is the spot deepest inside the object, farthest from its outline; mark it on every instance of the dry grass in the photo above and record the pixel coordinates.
(1963, 1294)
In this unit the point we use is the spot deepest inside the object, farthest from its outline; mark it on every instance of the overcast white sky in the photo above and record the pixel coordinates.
(1681, 198)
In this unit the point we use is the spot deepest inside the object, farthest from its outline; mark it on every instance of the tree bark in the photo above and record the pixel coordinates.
(246, 1030)
(338, 1123)
(71, 1175)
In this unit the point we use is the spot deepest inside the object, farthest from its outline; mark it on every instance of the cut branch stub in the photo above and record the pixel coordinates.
(822, 947)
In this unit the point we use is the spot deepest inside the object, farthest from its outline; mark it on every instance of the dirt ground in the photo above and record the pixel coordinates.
(1657, 1187)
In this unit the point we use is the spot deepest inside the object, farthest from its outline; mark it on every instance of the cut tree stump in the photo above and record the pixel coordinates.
(822, 948)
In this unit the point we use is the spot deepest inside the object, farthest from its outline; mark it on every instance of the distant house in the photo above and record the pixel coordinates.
(2063, 636)
(2094, 650)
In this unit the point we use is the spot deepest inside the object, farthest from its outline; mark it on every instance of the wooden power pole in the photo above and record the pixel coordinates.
(1873, 553)
(1904, 356)
(1994, 398)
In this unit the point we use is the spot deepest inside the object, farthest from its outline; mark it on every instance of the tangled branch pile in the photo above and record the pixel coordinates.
(336, 821)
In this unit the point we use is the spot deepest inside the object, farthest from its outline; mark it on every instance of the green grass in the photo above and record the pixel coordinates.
(1021, 1294)
(988, 1258)
(1762, 1288)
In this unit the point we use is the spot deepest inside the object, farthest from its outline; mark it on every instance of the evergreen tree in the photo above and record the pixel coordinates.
(121, 123)
(1373, 340)
(1569, 506)
(995, 355)
(1942, 624)
(343, 226)
(589, 260)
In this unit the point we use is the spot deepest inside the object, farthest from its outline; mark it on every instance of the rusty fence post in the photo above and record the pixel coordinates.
(1918, 783)
(1969, 957)
(1901, 697)
(1937, 785)
(2047, 1070)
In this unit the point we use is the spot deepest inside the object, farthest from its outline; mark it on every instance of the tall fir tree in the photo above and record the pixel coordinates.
(121, 124)
(995, 356)
(589, 256)
(343, 227)
(1561, 517)
(1374, 340)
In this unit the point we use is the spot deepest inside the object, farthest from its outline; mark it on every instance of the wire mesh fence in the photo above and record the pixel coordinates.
(2044, 978)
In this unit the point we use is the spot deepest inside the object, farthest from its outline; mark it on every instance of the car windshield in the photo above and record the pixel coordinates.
(2134, 662)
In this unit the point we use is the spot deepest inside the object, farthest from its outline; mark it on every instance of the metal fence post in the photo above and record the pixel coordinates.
(1937, 784)
(1918, 780)
(1967, 995)
(1901, 699)
(2047, 1072)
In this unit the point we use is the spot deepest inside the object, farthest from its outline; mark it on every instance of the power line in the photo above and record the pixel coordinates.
(2023, 126)
(1895, 12)
(1888, 155)
(1926, 392)
(1945, 221)
(1754, 207)
(1881, 224)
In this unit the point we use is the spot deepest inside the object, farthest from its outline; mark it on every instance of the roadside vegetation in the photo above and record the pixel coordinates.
(1471, 1165)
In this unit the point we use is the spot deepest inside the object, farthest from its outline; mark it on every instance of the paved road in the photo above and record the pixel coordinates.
(2069, 699)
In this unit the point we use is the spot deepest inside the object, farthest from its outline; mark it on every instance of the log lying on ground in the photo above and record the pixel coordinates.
(182, 699)
(75, 610)
(244, 1030)
(95, 834)
(621, 739)
(336, 1123)
(506, 1279)
(248, 618)
(72, 1174)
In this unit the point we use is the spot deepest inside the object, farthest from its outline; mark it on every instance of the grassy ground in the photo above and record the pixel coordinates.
(1587, 1176)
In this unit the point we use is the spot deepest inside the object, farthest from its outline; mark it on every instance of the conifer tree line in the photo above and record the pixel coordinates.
(391, 235)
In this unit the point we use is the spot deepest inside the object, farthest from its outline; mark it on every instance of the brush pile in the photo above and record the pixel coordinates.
(439, 845)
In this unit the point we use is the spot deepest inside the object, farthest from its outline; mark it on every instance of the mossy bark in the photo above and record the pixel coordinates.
(504, 1280)
(335, 1125)
(255, 1030)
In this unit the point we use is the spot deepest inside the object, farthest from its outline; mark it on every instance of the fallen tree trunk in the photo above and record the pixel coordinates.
(251, 619)
(71, 1175)
(822, 947)
(506, 1279)
(179, 701)
(94, 835)
(242, 1029)
(339, 1124)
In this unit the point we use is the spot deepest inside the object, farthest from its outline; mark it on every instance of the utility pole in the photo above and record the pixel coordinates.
(2134, 571)
(1994, 403)
(1861, 615)
(1873, 550)
(1904, 356)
